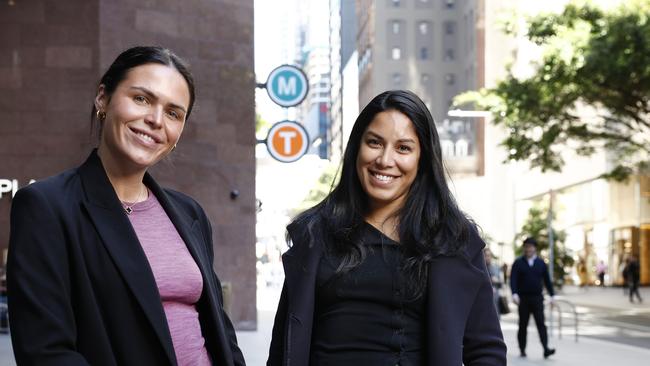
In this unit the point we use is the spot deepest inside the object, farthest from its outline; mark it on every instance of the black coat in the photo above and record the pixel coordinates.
(462, 324)
(80, 288)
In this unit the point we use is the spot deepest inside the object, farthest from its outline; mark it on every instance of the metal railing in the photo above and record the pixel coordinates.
(558, 305)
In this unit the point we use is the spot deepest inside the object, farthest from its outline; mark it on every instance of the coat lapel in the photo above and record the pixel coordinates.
(300, 268)
(121, 242)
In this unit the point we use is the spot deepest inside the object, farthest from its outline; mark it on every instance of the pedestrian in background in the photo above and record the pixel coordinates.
(105, 266)
(527, 275)
(601, 269)
(633, 278)
(495, 277)
(386, 269)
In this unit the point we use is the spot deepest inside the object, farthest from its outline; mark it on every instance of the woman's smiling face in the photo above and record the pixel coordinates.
(145, 115)
(388, 158)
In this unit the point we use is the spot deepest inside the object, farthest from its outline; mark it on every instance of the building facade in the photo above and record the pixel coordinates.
(52, 55)
(433, 48)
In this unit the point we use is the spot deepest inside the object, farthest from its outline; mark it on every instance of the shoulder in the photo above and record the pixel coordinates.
(475, 244)
(63, 187)
(186, 203)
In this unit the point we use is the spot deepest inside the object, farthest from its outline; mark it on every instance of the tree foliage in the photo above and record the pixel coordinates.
(589, 91)
(536, 225)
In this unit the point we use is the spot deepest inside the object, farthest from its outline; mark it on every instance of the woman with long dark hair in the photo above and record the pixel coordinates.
(387, 270)
(105, 266)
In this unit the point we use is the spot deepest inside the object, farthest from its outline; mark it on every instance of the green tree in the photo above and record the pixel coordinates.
(590, 90)
(536, 226)
(320, 190)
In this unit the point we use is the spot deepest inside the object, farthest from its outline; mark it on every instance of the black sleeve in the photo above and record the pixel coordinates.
(43, 329)
(483, 341)
(276, 351)
(514, 278)
(547, 281)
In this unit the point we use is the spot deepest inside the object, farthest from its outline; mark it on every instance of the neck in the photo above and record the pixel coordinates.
(385, 221)
(127, 183)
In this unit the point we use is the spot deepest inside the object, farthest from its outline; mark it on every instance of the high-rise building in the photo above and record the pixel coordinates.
(343, 34)
(314, 59)
(433, 48)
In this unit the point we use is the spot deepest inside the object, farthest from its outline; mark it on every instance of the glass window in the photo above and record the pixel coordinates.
(450, 79)
(424, 27)
(395, 27)
(449, 54)
(397, 79)
(396, 53)
(450, 27)
(424, 53)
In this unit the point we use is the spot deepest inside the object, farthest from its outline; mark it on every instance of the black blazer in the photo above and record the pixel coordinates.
(80, 288)
(462, 324)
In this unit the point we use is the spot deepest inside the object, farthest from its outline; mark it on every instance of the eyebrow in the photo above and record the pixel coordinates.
(381, 138)
(154, 96)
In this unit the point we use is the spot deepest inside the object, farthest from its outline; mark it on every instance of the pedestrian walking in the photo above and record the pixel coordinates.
(495, 277)
(601, 269)
(634, 279)
(387, 270)
(106, 267)
(527, 275)
(625, 274)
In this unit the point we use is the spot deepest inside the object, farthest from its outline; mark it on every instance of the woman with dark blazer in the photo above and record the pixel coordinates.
(386, 270)
(105, 266)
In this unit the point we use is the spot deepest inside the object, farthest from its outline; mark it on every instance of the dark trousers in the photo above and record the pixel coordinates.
(531, 305)
(634, 290)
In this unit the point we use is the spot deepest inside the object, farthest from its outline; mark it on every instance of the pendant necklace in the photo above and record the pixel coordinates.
(129, 208)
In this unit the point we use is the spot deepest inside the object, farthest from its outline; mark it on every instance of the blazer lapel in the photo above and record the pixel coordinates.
(300, 267)
(121, 242)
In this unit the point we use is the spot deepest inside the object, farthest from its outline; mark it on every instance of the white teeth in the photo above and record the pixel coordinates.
(383, 178)
(146, 137)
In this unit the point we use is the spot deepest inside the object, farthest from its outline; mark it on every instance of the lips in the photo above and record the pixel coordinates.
(147, 137)
(383, 177)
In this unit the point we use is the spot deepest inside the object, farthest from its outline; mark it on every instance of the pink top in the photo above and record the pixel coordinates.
(178, 278)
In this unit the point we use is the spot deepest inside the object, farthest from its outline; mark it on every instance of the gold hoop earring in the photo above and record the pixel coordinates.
(101, 115)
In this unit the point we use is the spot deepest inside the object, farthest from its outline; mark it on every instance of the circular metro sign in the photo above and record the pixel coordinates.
(287, 141)
(287, 86)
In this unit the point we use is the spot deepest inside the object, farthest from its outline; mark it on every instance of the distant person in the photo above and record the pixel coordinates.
(504, 270)
(106, 267)
(582, 273)
(495, 276)
(634, 278)
(387, 270)
(625, 274)
(601, 269)
(526, 277)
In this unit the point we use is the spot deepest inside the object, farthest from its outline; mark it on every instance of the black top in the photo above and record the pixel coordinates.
(366, 316)
(526, 280)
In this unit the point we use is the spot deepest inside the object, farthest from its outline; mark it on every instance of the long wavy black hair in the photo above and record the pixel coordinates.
(430, 223)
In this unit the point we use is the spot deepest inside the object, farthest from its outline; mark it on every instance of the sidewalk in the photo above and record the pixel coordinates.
(605, 297)
(587, 351)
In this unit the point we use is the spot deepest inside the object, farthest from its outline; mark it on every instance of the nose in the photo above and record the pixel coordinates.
(154, 117)
(386, 159)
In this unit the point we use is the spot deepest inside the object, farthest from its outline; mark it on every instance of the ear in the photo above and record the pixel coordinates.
(101, 99)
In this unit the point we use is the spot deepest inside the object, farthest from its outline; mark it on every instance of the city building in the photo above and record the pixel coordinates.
(52, 54)
(314, 59)
(433, 48)
(343, 34)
